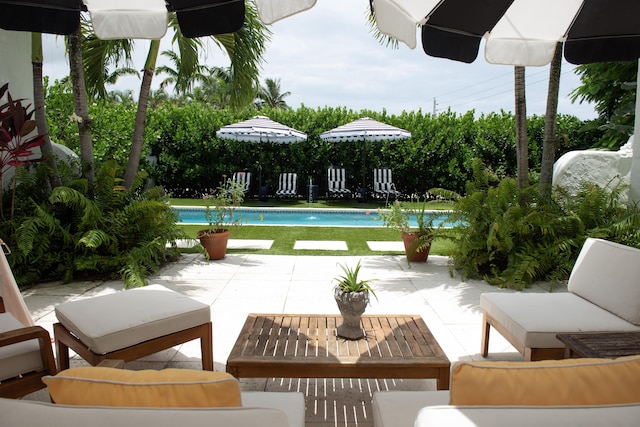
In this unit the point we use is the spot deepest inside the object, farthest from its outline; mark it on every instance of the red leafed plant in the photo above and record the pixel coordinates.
(15, 145)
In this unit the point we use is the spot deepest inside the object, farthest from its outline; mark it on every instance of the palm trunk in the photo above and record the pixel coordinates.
(522, 147)
(550, 143)
(141, 115)
(38, 105)
(81, 108)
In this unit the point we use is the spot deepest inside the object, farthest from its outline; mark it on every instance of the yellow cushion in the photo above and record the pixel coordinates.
(148, 388)
(547, 383)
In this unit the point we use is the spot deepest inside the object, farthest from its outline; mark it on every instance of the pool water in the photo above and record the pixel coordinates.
(301, 217)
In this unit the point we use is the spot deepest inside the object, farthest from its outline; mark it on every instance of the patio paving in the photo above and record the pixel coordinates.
(244, 283)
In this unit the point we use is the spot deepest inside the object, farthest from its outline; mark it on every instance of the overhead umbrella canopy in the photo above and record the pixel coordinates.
(119, 19)
(365, 129)
(261, 129)
(517, 32)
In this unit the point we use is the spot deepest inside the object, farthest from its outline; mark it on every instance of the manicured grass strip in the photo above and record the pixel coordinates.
(299, 203)
(285, 237)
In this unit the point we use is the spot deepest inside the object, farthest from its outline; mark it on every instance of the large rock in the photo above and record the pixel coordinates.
(604, 168)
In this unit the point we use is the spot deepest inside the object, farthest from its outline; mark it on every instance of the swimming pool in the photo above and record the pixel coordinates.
(308, 217)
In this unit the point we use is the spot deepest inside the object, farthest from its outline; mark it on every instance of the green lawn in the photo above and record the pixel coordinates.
(285, 237)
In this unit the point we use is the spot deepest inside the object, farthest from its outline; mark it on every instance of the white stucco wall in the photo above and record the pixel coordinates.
(15, 63)
(605, 168)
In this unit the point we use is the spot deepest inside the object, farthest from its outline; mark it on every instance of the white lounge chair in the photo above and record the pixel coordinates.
(383, 183)
(337, 182)
(287, 185)
(242, 178)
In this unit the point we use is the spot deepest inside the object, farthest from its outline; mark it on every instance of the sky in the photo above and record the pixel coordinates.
(327, 56)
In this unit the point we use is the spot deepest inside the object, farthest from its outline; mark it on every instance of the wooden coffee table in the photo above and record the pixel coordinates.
(306, 346)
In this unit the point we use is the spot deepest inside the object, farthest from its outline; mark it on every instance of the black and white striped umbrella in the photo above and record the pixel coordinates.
(516, 32)
(123, 19)
(365, 129)
(261, 129)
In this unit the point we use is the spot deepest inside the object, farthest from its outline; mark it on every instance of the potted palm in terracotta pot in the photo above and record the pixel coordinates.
(352, 296)
(417, 243)
(220, 214)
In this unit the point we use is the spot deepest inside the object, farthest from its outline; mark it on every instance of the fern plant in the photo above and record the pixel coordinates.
(118, 232)
(512, 237)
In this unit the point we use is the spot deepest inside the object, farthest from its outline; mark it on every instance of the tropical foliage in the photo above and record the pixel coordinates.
(611, 86)
(512, 237)
(69, 235)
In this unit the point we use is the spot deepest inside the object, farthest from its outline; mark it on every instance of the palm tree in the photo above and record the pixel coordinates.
(38, 105)
(270, 95)
(550, 141)
(522, 145)
(182, 83)
(245, 49)
(76, 69)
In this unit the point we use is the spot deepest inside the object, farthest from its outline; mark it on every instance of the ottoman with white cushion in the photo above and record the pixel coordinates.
(131, 324)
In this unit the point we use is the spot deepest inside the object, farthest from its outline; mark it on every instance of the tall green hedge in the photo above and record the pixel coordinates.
(191, 159)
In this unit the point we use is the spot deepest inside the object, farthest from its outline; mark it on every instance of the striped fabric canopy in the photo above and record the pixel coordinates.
(517, 32)
(261, 129)
(123, 19)
(365, 129)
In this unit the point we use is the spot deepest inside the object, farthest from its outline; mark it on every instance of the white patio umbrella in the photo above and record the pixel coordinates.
(261, 129)
(516, 32)
(365, 129)
(123, 19)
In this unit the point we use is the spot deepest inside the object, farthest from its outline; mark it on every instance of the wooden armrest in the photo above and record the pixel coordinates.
(30, 333)
(25, 334)
(2, 309)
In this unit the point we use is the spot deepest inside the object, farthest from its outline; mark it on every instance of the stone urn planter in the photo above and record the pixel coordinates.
(352, 296)
(352, 306)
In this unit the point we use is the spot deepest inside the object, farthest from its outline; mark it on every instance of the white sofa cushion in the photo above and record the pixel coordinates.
(534, 319)
(399, 408)
(19, 358)
(23, 413)
(608, 274)
(292, 404)
(531, 416)
(115, 321)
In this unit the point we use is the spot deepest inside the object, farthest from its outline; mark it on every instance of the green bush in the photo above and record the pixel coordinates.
(120, 232)
(513, 237)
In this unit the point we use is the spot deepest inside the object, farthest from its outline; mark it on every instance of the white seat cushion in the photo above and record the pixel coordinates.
(528, 416)
(116, 321)
(24, 413)
(606, 273)
(292, 404)
(535, 319)
(20, 358)
(400, 408)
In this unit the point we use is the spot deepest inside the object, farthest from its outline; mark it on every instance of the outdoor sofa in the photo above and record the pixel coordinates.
(604, 296)
(107, 397)
(567, 393)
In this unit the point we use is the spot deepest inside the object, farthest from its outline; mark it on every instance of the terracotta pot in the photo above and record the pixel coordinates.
(418, 256)
(214, 242)
(351, 306)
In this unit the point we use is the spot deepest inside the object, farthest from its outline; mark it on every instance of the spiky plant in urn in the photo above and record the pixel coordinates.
(352, 296)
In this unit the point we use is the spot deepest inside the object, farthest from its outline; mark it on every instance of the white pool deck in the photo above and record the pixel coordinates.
(244, 283)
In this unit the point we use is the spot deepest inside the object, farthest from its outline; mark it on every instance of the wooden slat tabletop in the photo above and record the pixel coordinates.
(306, 346)
(601, 344)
